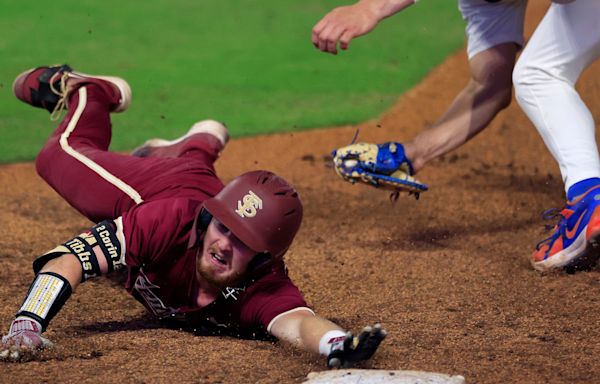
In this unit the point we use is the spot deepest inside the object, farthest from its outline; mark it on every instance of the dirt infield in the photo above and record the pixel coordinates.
(447, 275)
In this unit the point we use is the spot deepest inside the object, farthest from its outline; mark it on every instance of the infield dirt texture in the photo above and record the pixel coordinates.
(448, 275)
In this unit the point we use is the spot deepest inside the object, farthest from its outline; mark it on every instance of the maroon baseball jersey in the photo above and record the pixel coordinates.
(155, 201)
(162, 273)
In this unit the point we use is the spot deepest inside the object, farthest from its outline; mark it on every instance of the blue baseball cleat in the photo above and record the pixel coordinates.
(575, 243)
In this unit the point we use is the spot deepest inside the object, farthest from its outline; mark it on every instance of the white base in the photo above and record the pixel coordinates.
(376, 376)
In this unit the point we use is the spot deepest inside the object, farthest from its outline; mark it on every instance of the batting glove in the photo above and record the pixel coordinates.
(24, 340)
(352, 349)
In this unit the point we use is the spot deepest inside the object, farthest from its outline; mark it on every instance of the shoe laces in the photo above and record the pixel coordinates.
(558, 218)
(61, 105)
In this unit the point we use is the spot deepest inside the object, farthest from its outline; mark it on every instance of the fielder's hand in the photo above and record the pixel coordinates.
(356, 348)
(341, 25)
(24, 340)
(379, 165)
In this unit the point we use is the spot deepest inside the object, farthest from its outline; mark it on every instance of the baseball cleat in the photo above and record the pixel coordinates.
(210, 131)
(575, 242)
(48, 87)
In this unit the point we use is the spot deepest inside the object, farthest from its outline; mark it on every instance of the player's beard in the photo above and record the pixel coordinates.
(206, 272)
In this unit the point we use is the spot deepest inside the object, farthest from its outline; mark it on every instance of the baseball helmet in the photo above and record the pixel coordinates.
(261, 209)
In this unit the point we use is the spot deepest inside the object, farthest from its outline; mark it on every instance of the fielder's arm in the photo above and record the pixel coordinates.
(59, 272)
(488, 92)
(343, 24)
(319, 335)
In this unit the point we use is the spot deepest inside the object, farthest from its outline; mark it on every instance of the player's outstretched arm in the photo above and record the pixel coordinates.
(49, 291)
(320, 335)
(58, 273)
(343, 24)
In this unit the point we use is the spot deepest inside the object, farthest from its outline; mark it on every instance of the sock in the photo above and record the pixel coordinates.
(581, 187)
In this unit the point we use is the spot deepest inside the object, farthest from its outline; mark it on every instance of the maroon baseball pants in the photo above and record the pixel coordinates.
(75, 161)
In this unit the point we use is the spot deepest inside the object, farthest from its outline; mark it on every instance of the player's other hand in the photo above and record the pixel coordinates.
(24, 340)
(356, 348)
(341, 25)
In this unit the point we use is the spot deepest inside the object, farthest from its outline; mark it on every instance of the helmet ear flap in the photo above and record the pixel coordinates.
(204, 219)
(259, 260)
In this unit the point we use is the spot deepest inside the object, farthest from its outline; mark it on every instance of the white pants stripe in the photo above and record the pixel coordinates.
(101, 171)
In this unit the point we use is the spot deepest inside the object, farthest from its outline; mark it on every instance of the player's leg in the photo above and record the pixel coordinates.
(75, 161)
(204, 141)
(564, 44)
(495, 34)
(69, 159)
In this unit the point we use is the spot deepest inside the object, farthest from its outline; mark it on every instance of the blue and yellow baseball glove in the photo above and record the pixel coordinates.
(379, 165)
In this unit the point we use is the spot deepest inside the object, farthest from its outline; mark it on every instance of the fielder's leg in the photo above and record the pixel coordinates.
(565, 43)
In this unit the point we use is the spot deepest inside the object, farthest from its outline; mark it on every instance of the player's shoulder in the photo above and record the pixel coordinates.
(155, 226)
(178, 206)
(272, 281)
(271, 295)
(169, 212)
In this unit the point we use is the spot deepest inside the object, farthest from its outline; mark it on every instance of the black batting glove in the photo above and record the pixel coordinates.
(356, 348)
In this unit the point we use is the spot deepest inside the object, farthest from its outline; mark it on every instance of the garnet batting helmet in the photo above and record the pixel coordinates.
(261, 209)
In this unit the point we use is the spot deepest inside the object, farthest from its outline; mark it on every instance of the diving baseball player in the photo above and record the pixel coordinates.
(199, 255)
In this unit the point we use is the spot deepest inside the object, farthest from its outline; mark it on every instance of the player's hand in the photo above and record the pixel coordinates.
(341, 25)
(356, 348)
(24, 340)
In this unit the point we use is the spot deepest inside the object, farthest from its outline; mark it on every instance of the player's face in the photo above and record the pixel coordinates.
(224, 258)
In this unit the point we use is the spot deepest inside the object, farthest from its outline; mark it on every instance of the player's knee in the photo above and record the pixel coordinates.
(519, 77)
(528, 74)
(525, 76)
(45, 159)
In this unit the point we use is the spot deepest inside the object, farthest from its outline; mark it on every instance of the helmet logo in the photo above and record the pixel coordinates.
(251, 204)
